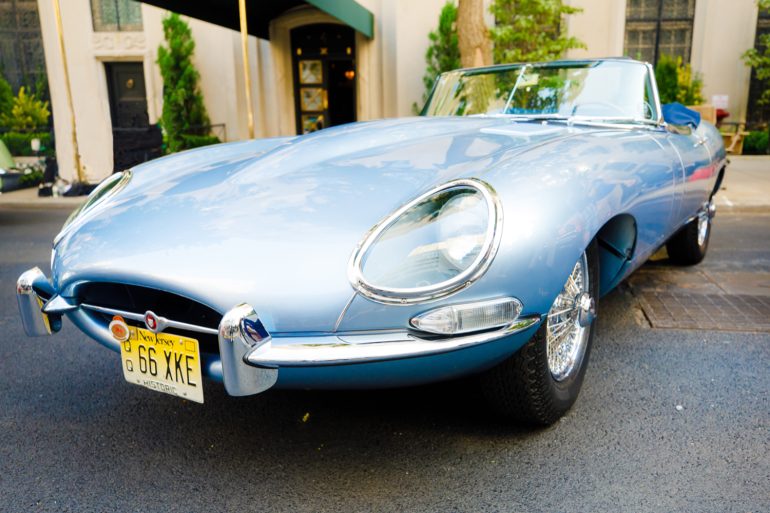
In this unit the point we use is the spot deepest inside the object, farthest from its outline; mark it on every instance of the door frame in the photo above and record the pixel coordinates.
(280, 39)
(111, 93)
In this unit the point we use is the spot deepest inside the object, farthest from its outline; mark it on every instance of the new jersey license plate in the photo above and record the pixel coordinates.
(163, 362)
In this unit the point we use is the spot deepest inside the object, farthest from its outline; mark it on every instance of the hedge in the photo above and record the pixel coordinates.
(756, 143)
(195, 141)
(19, 144)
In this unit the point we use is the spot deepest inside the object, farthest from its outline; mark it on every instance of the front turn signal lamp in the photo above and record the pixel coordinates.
(469, 317)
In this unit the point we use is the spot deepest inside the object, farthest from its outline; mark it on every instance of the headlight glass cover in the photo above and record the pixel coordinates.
(431, 247)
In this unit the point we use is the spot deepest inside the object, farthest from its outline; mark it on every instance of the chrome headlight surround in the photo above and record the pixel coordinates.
(108, 188)
(407, 296)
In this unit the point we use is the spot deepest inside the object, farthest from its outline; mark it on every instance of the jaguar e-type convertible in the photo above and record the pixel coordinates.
(474, 239)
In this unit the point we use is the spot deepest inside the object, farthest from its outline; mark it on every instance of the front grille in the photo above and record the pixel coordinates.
(138, 300)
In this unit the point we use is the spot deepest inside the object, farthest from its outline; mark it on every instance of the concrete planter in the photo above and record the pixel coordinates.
(11, 181)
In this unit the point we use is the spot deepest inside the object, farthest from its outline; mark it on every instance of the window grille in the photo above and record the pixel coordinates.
(22, 61)
(116, 15)
(657, 27)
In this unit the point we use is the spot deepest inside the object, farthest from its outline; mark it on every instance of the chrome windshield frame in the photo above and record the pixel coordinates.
(655, 121)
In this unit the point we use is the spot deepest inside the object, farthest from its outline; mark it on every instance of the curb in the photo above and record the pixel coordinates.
(743, 209)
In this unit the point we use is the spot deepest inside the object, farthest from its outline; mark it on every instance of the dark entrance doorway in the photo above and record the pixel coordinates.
(128, 96)
(134, 140)
(324, 76)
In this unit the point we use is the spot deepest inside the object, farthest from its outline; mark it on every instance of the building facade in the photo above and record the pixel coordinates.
(315, 71)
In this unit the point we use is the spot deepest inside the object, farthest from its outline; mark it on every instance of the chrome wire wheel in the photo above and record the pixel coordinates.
(568, 323)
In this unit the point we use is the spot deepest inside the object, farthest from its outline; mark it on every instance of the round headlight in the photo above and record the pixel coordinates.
(431, 247)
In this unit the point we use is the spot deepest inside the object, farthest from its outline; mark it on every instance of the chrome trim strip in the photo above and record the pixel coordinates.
(344, 311)
(140, 318)
(438, 290)
(350, 348)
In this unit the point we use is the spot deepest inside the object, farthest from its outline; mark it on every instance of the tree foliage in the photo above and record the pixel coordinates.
(677, 82)
(443, 54)
(183, 109)
(759, 59)
(27, 113)
(531, 30)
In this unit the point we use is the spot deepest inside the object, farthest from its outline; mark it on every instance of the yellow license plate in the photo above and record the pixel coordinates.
(163, 362)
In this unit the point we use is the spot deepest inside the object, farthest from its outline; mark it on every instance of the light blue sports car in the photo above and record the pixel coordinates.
(474, 239)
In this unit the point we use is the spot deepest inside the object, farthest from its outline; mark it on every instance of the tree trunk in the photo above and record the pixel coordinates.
(472, 34)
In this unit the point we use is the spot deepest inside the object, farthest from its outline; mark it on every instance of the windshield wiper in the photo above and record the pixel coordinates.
(610, 120)
(537, 117)
(579, 120)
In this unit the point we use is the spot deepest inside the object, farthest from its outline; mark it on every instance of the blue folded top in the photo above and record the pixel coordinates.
(677, 114)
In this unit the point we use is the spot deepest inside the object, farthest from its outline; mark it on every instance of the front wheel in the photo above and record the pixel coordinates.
(540, 383)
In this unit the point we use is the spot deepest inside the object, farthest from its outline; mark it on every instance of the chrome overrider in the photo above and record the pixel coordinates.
(250, 356)
(36, 323)
(240, 333)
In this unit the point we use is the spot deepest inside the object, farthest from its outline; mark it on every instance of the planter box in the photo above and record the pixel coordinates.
(12, 181)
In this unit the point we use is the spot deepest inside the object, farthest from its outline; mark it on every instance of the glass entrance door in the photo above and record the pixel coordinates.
(324, 76)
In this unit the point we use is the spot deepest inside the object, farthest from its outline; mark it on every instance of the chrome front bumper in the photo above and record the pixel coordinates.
(250, 356)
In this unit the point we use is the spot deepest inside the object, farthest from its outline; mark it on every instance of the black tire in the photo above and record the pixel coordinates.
(523, 389)
(683, 247)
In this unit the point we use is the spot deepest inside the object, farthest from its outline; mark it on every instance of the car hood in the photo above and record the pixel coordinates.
(274, 223)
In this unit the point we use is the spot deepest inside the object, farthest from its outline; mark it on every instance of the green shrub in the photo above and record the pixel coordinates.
(190, 141)
(20, 144)
(32, 176)
(666, 72)
(677, 82)
(689, 84)
(756, 143)
(444, 52)
(27, 114)
(182, 100)
(6, 98)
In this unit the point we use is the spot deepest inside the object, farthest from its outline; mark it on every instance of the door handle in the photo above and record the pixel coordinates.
(699, 142)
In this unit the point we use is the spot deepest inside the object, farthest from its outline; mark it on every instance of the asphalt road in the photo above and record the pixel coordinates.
(668, 420)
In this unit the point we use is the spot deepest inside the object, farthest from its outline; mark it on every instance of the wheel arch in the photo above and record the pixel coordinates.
(718, 182)
(616, 241)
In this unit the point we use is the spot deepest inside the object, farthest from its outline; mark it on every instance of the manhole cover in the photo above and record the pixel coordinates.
(721, 312)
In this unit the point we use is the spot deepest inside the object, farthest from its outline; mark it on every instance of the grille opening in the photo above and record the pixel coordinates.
(136, 299)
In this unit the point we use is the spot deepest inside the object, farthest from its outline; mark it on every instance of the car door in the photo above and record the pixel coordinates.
(690, 146)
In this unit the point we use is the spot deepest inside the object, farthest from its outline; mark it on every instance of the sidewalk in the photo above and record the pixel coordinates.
(28, 198)
(745, 189)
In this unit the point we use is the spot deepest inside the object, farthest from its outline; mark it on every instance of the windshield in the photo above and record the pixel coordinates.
(605, 90)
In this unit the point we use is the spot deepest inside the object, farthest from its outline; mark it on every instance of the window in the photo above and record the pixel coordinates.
(758, 114)
(657, 27)
(116, 15)
(22, 62)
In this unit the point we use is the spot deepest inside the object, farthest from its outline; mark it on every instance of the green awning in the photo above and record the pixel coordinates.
(261, 12)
